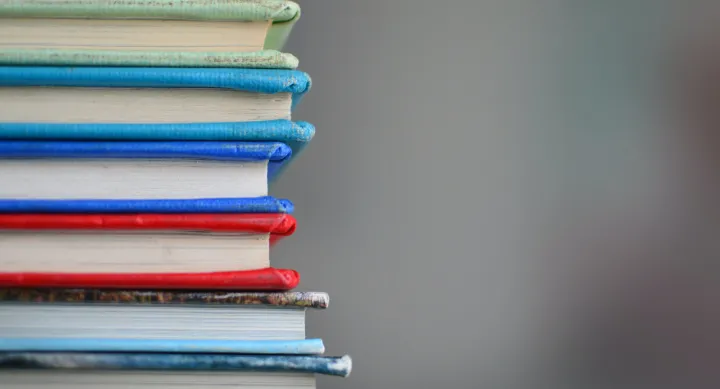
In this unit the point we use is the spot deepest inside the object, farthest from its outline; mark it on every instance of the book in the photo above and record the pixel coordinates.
(265, 204)
(153, 95)
(137, 170)
(68, 370)
(269, 279)
(108, 316)
(143, 250)
(186, 33)
(294, 134)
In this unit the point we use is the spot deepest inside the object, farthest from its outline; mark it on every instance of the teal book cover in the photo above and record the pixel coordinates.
(89, 123)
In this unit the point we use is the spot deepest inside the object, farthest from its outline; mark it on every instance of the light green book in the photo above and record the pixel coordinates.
(174, 33)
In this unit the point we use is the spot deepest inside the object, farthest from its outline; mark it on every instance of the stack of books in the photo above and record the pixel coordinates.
(137, 143)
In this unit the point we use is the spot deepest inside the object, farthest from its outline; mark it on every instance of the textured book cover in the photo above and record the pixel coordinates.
(276, 154)
(315, 300)
(283, 14)
(171, 206)
(249, 80)
(294, 134)
(337, 366)
(268, 279)
(276, 224)
(188, 346)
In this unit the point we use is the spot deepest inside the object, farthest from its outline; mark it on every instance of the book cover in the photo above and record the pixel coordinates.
(275, 153)
(189, 346)
(337, 366)
(278, 225)
(250, 80)
(315, 300)
(268, 279)
(294, 134)
(265, 204)
(283, 14)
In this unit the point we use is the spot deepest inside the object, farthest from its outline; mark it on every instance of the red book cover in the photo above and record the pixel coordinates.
(276, 224)
(269, 279)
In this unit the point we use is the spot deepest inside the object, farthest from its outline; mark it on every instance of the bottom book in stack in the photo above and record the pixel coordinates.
(74, 338)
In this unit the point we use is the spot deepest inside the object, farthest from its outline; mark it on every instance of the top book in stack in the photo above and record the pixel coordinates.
(179, 33)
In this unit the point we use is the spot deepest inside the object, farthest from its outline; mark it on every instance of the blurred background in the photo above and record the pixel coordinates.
(511, 193)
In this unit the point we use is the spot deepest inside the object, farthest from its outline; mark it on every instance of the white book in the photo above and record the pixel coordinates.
(148, 315)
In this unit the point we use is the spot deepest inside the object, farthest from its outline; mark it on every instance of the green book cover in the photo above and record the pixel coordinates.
(283, 14)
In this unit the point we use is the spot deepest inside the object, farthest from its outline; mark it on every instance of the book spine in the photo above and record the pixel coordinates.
(268, 279)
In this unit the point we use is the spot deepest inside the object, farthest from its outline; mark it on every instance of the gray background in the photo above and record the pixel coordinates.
(429, 201)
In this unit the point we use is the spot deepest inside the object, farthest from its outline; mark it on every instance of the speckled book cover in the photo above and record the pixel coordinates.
(316, 300)
(338, 366)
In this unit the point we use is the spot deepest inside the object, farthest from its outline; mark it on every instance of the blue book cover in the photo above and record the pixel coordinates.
(298, 347)
(266, 81)
(294, 134)
(265, 204)
(276, 154)
(336, 366)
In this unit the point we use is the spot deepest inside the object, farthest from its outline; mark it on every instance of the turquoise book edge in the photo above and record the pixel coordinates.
(269, 81)
(285, 347)
(335, 366)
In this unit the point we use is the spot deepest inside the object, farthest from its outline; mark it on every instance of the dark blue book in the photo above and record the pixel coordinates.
(127, 177)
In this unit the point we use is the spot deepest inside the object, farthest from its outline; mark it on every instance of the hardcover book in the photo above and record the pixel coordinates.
(68, 95)
(265, 204)
(75, 170)
(131, 317)
(62, 103)
(167, 371)
(146, 251)
(294, 134)
(185, 33)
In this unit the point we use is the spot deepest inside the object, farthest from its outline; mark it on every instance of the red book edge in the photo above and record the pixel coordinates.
(268, 279)
(277, 224)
